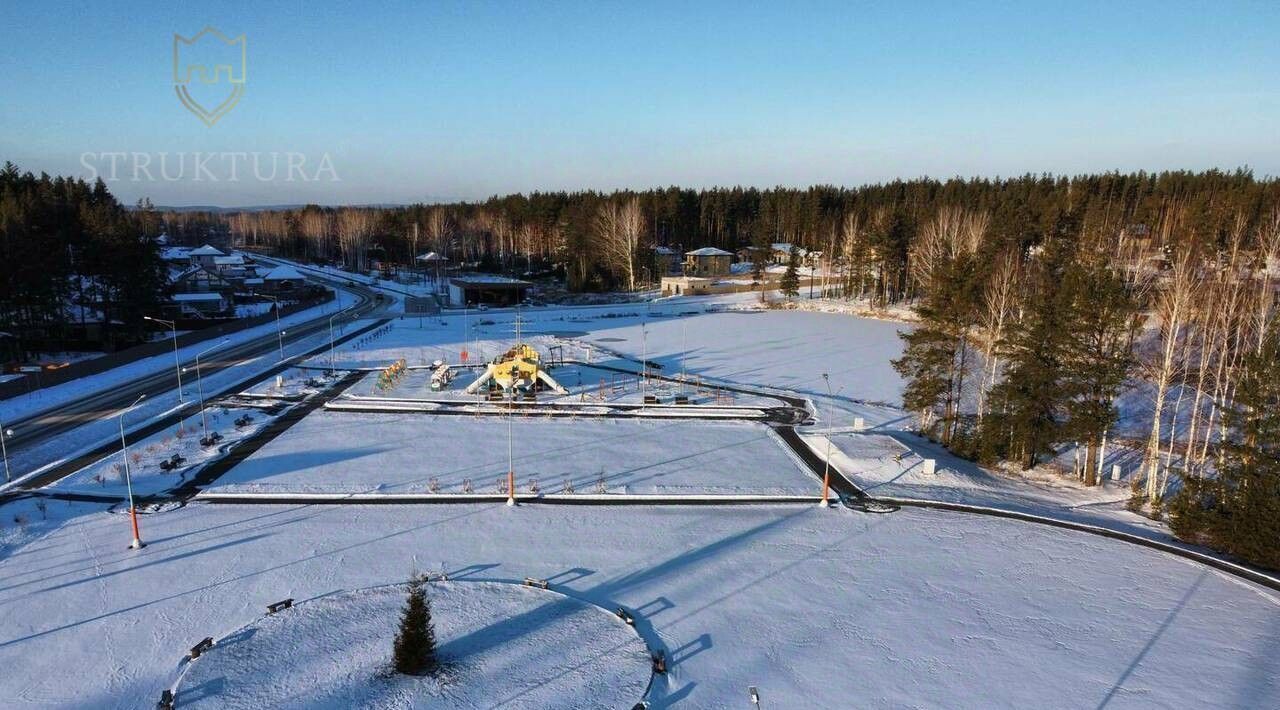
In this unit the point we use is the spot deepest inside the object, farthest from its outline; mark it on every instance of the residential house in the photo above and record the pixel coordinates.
(205, 256)
(707, 261)
(201, 305)
(664, 260)
(283, 279)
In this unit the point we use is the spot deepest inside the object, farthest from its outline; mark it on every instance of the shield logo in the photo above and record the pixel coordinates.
(209, 72)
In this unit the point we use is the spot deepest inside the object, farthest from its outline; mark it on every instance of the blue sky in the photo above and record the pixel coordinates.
(423, 100)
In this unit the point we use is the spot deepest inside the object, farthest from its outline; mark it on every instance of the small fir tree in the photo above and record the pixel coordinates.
(790, 284)
(415, 644)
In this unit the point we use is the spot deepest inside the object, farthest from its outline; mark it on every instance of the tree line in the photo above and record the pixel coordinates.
(597, 241)
(72, 257)
(1024, 349)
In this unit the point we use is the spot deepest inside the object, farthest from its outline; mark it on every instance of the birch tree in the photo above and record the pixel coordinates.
(619, 229)
(1173, 309)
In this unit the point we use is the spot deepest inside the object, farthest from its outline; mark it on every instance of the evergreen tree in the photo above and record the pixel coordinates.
(1238, 512)
(1098, 352)
(1029, 404)
(790, 284)
(937, 357)
(415, 645)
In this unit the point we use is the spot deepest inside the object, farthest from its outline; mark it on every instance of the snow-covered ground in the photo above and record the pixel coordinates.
(892, 465)
(106, 476)
(815, 608)
(343, 452)
(498, 644)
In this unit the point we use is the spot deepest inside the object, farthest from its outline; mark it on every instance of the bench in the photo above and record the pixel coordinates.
(659, 662)
(280, 605)
(650, 399)
(213, 438)
(171, 463)
(204, 645)
(531, 582)
(682, 399)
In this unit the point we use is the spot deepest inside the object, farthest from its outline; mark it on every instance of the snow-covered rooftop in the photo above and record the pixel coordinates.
(432, 256)
(207, 250)
(196, 297)
(486, 280)
(708, 251)
(232, 260)
(283, 273)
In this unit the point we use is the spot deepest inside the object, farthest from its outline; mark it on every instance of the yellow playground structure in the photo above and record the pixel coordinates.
(520, 367)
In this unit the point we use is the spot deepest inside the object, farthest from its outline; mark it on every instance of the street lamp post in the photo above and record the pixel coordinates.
(335, 315)
(279, 333)
(4, 450)
(644, 362)
(511, 467)
(826, 471)
(137, 543)
(204, 426)
(177, 366)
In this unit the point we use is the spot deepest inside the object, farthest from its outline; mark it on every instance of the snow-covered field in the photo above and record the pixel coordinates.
(343, 452)
(815, 608)
(498, 644)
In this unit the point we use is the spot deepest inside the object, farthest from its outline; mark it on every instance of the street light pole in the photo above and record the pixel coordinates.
(279, 333)
(511, 467)
(826, 471)
(335, 315)
(4, 450)
(177, 366)
(644, 362)
(204, 426)
(137, 543)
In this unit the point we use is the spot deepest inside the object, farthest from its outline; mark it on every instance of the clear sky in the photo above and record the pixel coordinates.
(428, 100)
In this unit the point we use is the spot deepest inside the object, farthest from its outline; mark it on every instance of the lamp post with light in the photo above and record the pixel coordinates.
(204, 425)
(279, 333)
(177, 366)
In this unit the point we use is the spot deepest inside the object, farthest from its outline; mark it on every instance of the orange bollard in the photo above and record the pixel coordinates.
(511, 487)
(137, 540)
(826, 487)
